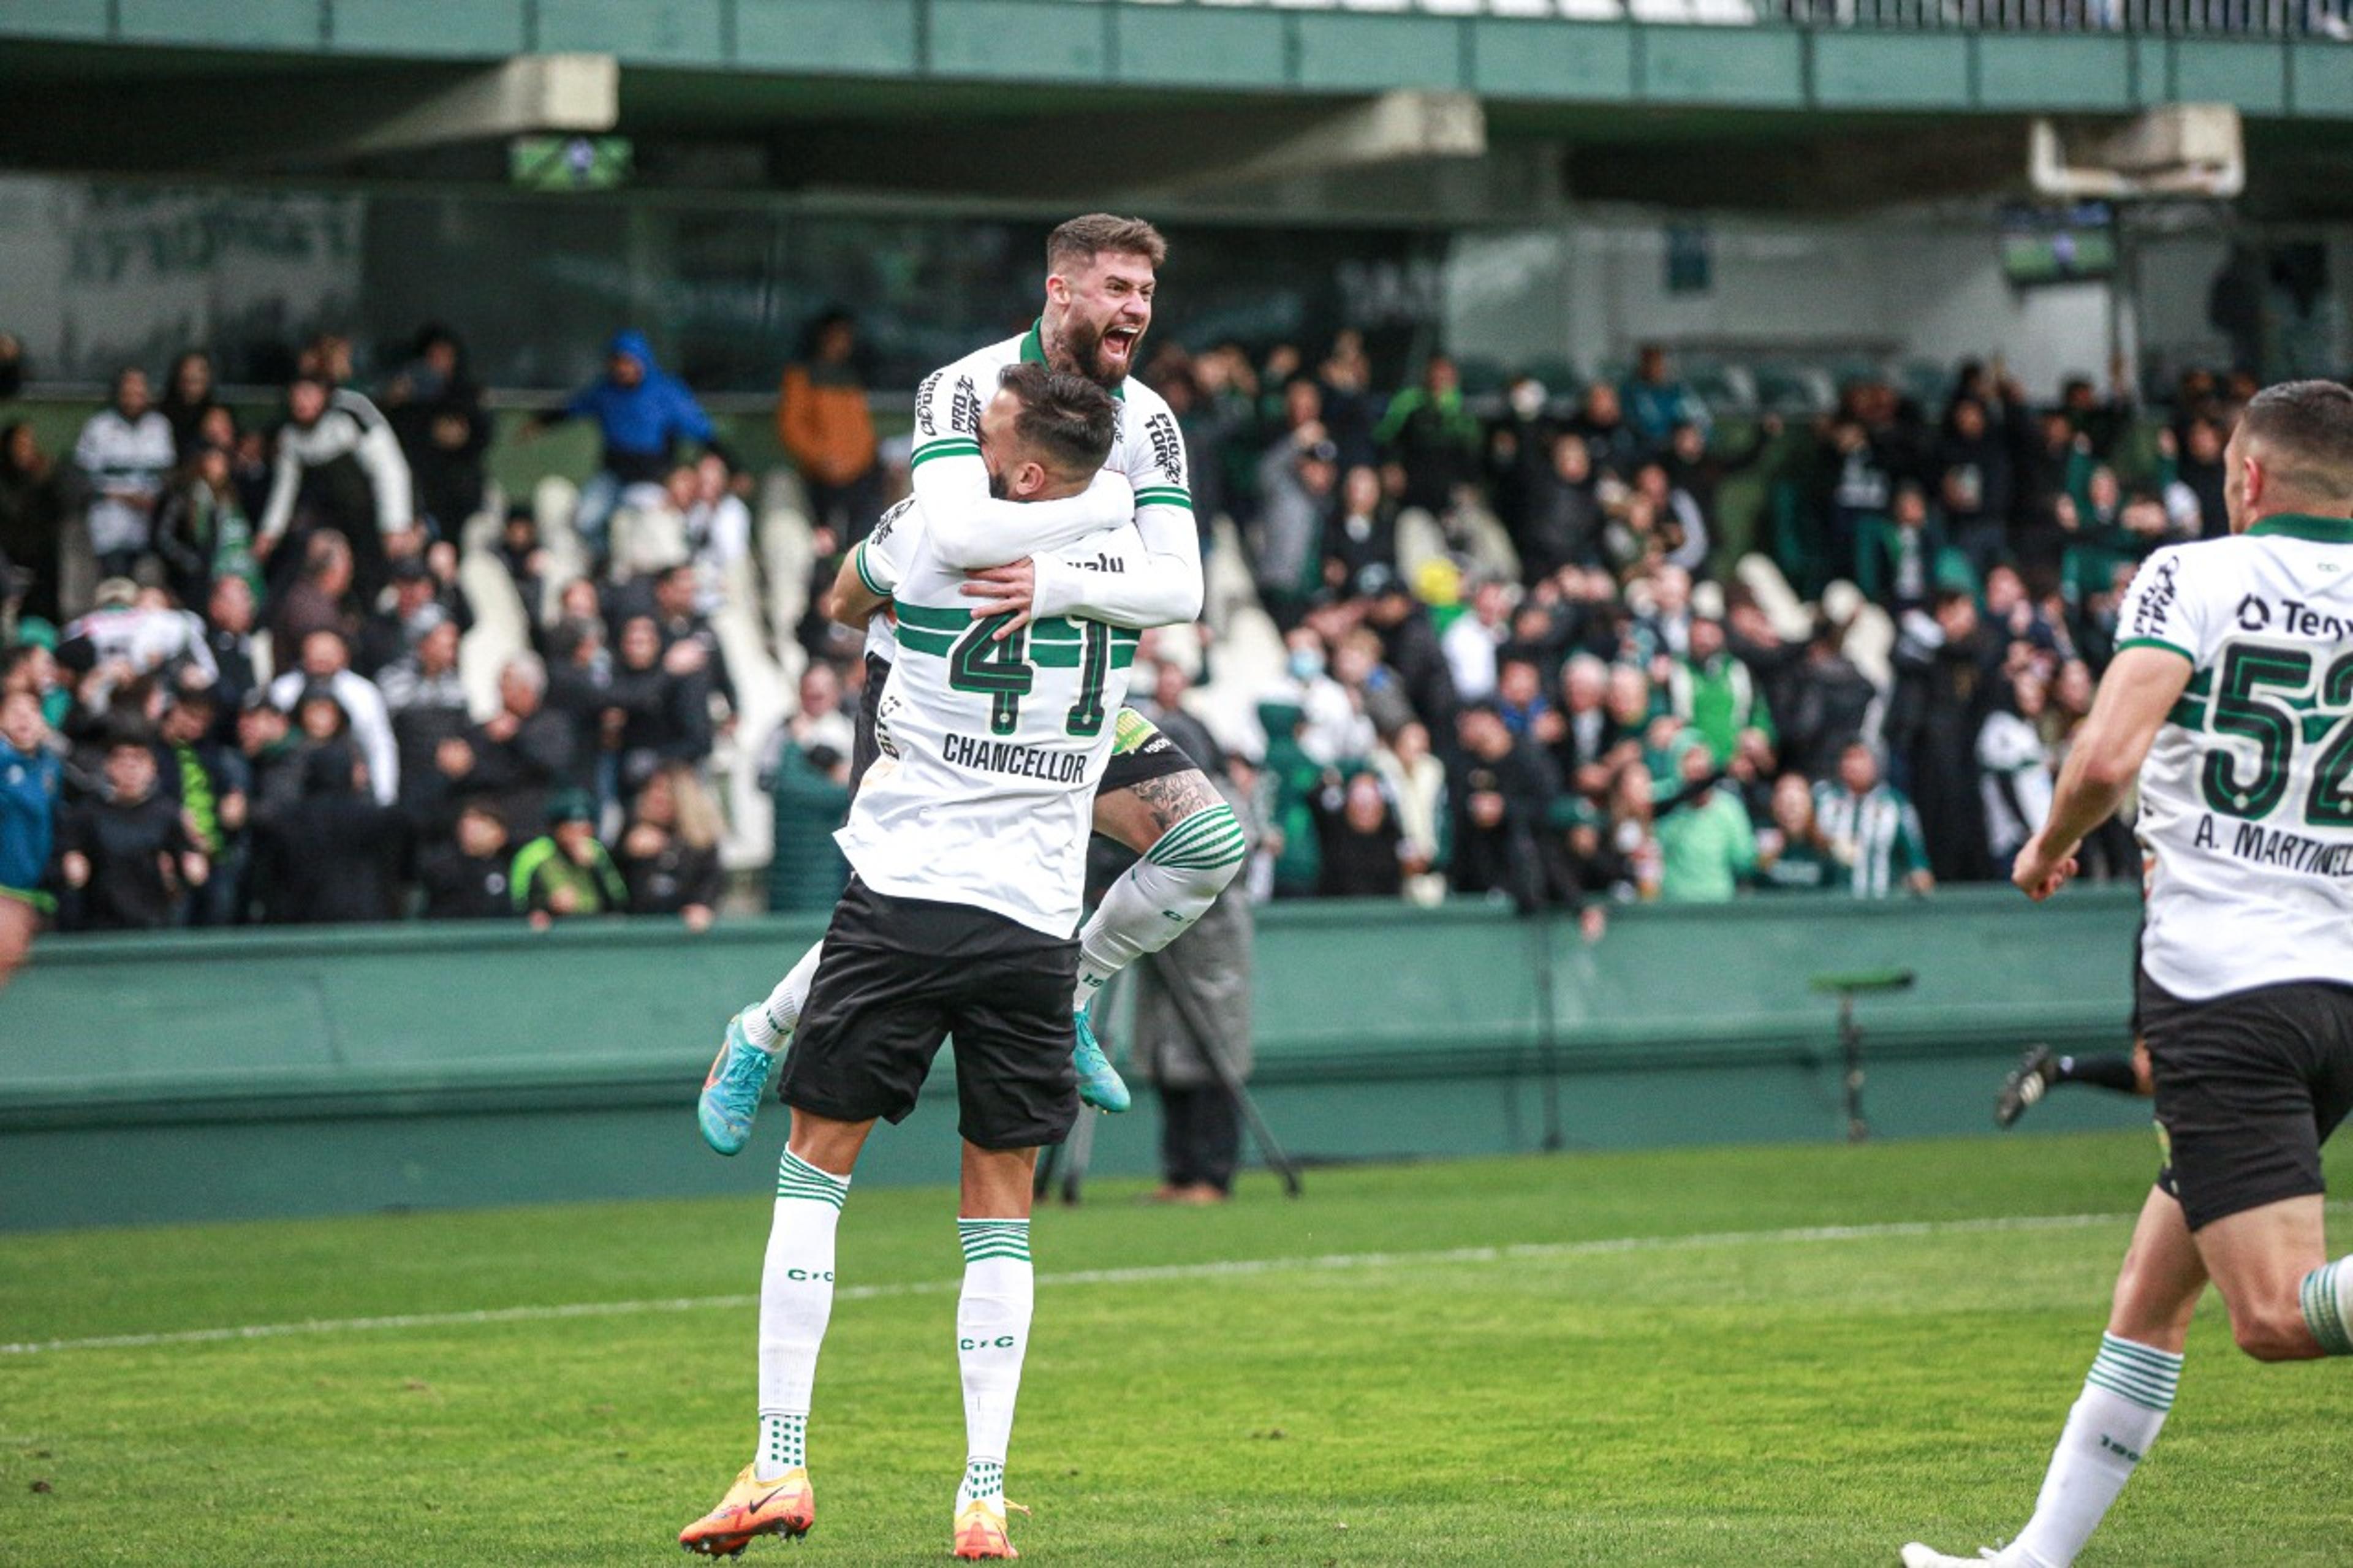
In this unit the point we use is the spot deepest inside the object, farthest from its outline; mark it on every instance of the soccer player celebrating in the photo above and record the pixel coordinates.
(2231, 699)
(1101, 275)
(968, 842)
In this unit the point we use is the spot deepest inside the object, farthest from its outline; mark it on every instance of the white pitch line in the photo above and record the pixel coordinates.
(1227, 1268)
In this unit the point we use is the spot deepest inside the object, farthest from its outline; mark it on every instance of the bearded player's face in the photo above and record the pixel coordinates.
(1108, 312)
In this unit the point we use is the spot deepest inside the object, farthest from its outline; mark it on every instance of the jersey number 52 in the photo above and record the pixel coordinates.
(2245, 706)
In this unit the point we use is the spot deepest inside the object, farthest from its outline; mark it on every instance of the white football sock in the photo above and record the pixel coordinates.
(2121, 1409)
(992, 1334)
(2329, 1306)
(765, 1025)
(1157, 899)
(795, 1301)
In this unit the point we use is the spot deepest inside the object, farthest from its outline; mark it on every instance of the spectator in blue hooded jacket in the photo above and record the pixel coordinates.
(643, 413)
(28, 802)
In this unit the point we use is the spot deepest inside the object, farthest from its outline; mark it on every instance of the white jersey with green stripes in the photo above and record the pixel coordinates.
(2246, 814)
(989, 751)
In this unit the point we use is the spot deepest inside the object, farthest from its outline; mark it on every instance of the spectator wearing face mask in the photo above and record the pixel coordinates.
(1332, 728)
(1519, 453)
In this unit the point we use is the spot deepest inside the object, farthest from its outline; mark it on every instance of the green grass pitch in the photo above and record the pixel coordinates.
(1590, 1359)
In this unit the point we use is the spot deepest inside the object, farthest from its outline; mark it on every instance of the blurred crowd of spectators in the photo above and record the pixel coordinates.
(1521, 660)
(233, 659)
(1519, 657)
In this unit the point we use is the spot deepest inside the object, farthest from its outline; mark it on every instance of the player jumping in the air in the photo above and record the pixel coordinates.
(1102, 275)
(968, 844)
(2231, 699)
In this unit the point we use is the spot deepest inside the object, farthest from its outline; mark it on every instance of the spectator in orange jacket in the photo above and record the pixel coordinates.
(822, 420)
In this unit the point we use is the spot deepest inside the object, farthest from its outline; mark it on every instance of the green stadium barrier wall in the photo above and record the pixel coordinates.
(243, 1074)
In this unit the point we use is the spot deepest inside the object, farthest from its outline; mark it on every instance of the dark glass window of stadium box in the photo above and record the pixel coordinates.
(115, 274)
(726, 293)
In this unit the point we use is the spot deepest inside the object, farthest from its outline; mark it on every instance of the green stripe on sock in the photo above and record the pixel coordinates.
(2323, 1314)
(982, 1239)
(2146, 1376)
(796, 1178)
(1226, 851)
(1201, 827)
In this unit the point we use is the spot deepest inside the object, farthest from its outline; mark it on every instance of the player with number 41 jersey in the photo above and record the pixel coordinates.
(991, 739)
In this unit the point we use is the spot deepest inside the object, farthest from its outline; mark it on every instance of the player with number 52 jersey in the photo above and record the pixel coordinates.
(2247, 795)
(2230, 700)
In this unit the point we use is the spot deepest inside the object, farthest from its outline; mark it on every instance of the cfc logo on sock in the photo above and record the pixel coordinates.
(809, 1275)
(1001, 1342)
(2112, 1445)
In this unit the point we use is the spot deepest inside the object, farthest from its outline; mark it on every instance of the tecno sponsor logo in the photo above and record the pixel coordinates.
(2292, 617)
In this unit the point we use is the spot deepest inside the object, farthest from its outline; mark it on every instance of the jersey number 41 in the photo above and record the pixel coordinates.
(1006, 670)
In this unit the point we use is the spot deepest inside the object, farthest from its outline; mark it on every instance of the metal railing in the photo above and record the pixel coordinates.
(2320, 19)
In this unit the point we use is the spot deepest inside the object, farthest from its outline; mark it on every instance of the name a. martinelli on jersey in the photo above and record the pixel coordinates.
(1054, 766)
(2283, 850)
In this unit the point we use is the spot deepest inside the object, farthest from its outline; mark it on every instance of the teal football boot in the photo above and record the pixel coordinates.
(730, 1095)
(1100, 1084)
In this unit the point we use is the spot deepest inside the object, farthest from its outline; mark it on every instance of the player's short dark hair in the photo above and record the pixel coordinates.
(1082, 240)
(2310, 424)
(1067, 421)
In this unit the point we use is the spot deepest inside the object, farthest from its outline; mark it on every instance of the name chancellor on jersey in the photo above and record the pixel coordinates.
(1019, 762)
